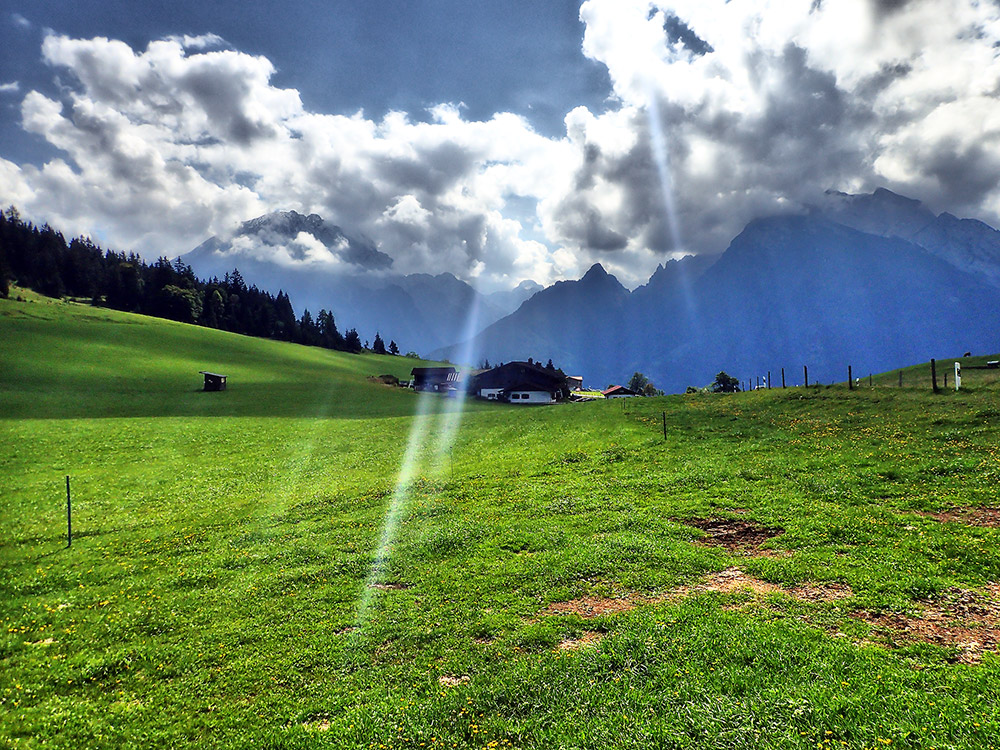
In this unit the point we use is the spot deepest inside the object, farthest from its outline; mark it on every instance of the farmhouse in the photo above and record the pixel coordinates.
(437, 379)
(520, 383)
(619, 391)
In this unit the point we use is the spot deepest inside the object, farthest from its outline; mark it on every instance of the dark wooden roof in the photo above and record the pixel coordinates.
(515, 373)
(210, 374)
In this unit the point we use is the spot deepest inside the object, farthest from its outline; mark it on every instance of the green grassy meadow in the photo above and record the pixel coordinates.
(245, 571)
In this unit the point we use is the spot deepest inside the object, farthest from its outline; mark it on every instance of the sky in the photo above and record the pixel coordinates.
(500, 141)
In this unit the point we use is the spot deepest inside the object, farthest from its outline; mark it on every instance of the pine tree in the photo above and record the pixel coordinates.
(308, 330)
(286, 327)
(329, 335)
(393, 348)
(378, 346)
(352, 341)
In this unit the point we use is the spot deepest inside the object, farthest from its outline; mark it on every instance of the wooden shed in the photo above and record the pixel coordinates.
(214, 381)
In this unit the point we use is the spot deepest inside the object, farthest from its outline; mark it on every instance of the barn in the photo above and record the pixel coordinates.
(436, 379)
(522, 383)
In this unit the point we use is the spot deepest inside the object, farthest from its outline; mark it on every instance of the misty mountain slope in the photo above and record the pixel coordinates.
(967, 244)
(510, 300)
(568, 322)
(882, 212)
(448, 302)
(795, 291)
(320, 267)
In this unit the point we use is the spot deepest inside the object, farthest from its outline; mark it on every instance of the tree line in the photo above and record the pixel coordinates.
(39, 258)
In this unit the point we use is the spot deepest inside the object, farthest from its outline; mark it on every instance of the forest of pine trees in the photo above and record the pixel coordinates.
(40, 259)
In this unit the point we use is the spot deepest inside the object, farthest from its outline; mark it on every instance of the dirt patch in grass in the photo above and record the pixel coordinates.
(820, 592)
(989, 517)
(724, 582)
(735, 534)
(586, 639)
(450, 681)
(596, 606)
(968, 621)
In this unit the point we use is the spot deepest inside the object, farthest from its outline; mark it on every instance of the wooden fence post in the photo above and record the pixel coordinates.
(768, 380)
(782, 377)
(69, 516)
(934, 375)
(805, 373)
(850, 378)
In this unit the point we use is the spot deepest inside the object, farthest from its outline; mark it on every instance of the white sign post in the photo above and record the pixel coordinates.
(958, 375)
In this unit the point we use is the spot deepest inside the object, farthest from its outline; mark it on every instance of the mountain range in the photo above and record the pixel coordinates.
(875, 281)
(872, 281)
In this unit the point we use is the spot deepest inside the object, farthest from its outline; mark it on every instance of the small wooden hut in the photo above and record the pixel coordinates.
(214, 381)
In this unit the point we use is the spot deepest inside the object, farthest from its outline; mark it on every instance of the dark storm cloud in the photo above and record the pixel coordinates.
(582, 226)
(887, 7)
(598, 236)
(964, 173)
(430, 170)
(224, 98)
(804, 135)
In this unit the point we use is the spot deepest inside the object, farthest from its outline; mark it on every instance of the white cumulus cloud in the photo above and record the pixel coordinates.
(757, 107)
(720, 112)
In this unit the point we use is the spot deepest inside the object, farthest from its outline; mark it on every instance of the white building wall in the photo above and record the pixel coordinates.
(531, 397)
(490, 393)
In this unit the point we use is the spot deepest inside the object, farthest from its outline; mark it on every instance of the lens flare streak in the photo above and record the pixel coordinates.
(399, 500)
(448, 415)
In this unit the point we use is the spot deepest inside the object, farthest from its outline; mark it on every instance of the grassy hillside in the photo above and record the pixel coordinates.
(63, 359)
(784, 569)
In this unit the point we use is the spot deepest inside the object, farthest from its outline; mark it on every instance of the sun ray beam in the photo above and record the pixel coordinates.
(398, 503)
